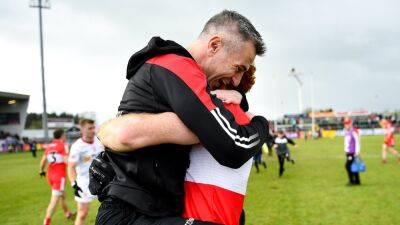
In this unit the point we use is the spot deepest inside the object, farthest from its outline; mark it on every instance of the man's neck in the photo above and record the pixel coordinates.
(88, 140)
(195, 50)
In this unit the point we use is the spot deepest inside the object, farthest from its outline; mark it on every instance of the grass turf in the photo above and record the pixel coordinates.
(313, 191)
(310, 192)
(24, 196)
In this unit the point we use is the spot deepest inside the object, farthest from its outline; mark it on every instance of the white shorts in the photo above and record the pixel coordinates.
(86, 196)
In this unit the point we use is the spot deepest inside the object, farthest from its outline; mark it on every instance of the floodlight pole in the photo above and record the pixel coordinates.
(300, 84)
(312, 107)
(275, 103)
(44, 115)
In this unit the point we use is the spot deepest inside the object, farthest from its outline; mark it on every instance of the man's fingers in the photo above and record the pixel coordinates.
(227, 101)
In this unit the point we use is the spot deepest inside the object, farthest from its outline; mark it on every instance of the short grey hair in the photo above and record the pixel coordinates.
(235, 24)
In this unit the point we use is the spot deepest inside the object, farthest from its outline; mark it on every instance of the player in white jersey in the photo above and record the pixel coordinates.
(80, 157)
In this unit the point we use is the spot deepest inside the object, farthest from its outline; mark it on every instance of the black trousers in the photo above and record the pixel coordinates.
(33, 153)
(113, 211)
(258, 161)
(281, 159)
(354, 178)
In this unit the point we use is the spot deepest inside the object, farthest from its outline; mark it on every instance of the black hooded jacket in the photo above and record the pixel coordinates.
(163, 77)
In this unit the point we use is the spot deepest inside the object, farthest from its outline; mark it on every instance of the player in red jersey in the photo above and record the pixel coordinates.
(55, 156)
(388, 142)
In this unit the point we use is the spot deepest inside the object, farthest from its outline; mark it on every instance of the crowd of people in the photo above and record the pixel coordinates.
(302, 122)
(12, 143)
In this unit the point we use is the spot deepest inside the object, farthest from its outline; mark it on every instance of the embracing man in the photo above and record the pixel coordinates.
(148, 187)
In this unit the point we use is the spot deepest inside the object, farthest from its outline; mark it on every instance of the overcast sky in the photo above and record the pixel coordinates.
(351, 48)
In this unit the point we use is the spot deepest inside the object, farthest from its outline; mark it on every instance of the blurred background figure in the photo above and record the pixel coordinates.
(258, 159)
(389, 141)
(282, 150)
(33, 148)
(352, 149)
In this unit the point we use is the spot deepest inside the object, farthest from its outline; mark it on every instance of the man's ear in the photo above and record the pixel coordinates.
(214, 45)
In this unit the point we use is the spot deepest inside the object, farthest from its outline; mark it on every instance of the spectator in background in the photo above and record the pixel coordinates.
(388, 142)
(258, 159)
(3, 147)
(17, 143)
(25, 143)
(33, 148)
(352, 149)
(282, 150)
(9, 143)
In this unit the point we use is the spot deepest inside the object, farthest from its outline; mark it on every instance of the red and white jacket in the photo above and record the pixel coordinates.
(213, 192)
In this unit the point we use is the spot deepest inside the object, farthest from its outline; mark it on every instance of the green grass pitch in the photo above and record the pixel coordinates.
(310, 192)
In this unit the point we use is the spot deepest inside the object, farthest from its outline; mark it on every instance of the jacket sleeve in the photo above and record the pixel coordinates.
(290, 141)
(357, 140)
(184, 89)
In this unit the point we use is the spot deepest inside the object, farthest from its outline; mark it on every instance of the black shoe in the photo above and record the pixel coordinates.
(292, 161)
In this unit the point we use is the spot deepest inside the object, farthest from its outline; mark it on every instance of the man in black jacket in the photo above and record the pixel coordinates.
(165, 77)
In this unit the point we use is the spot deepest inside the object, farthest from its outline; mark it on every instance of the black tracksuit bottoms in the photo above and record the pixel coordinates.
(281, 159)
(354, 178)
(113, 211)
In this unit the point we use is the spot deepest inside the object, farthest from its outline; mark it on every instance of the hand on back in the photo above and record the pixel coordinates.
(228, 96)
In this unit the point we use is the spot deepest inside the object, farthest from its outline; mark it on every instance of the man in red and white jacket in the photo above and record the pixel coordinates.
(214, 192)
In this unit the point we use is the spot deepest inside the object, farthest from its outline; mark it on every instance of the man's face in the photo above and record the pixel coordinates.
(225, 67)
(88, 130)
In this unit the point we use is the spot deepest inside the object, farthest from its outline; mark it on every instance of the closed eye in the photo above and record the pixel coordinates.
(241, 69)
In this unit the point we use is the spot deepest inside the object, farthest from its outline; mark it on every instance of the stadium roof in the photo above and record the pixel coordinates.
(13, 95)
(10, 98)
(6, 97)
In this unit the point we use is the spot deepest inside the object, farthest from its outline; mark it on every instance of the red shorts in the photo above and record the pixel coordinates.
(57, 183)
(389, 143)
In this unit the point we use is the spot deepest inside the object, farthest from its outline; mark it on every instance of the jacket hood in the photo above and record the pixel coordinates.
(156, 46)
